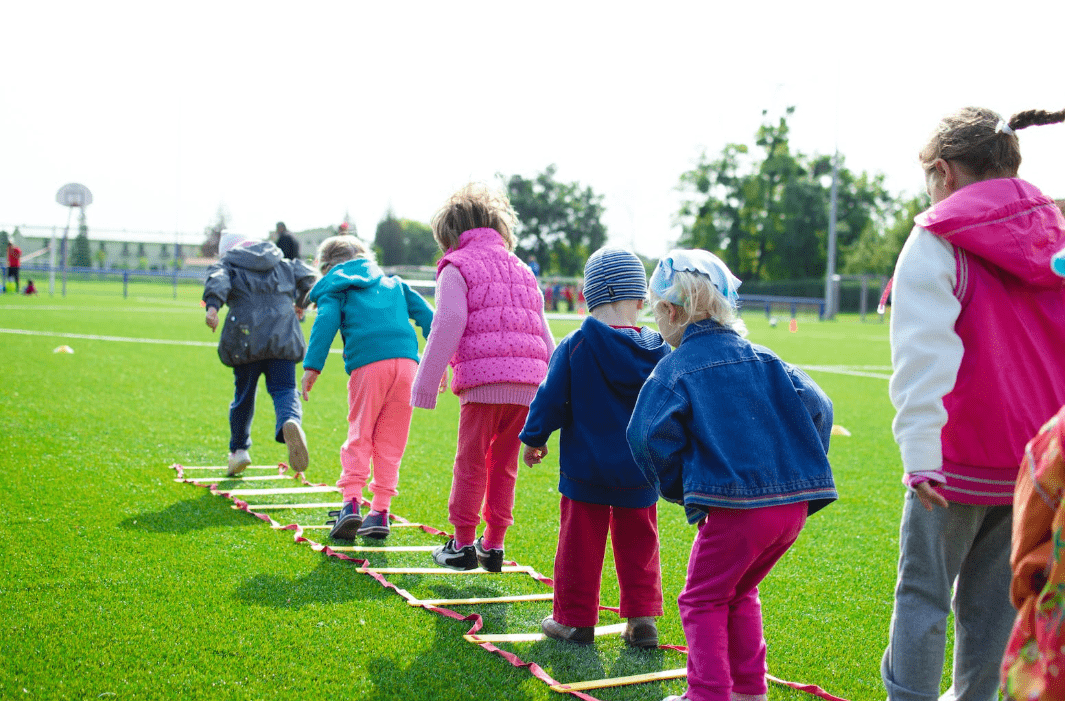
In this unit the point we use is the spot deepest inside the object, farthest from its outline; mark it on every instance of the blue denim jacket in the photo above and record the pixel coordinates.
(722, 422)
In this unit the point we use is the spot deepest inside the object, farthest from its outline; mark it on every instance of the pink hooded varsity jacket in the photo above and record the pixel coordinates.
(978, 326)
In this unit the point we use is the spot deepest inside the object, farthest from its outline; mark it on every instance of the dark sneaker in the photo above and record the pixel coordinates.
(553, 629)
(375, 525)
(347, 523)
(296, 441)
(451, 557)
(491, 560)
(641, 632)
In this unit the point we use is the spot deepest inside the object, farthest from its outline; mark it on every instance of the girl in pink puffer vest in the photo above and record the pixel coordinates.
(490, 327)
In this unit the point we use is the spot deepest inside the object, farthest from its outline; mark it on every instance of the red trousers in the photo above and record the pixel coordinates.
(579, 561)
(486, 471)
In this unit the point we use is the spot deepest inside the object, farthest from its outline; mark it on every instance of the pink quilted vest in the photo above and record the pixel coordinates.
(1012, 327)
(503, 341)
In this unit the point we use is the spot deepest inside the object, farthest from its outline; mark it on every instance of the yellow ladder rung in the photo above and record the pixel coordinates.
(534, 637)
(484, 600)
(664, 675)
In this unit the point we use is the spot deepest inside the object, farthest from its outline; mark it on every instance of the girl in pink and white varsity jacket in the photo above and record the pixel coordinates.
(490, 326)
(977, 328)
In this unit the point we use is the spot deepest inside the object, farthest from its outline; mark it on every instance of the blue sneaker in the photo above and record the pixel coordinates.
(347, 523)
(375, 525)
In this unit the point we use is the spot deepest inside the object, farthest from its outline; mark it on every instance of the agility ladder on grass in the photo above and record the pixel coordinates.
(485, 641)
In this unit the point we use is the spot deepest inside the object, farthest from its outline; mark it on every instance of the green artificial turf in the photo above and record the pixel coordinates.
(121, 583)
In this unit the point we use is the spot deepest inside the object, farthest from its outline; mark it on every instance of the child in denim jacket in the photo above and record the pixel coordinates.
(740, 439)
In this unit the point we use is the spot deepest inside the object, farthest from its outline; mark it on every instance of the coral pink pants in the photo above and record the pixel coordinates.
(379, 414)
(486, 471)
(579, 561)
(719, 608)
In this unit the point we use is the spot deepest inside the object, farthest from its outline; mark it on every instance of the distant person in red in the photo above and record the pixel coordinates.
(31, 289)
(14, 257)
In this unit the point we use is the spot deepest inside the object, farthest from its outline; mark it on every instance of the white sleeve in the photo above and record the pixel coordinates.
(926, 352)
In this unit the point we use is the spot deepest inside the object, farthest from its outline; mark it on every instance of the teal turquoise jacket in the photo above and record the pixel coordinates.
(371, 311)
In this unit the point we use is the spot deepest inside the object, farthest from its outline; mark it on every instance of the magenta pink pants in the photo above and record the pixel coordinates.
(579, 561)
(486, 471)
(379, 414)
(719, 608)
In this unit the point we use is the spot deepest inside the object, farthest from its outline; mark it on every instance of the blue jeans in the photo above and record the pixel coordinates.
(966, 546)
(280, 383)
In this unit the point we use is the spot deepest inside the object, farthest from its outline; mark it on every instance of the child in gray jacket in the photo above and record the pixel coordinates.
(261, 336)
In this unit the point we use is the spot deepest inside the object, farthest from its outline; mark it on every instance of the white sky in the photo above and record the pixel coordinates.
(304, 111)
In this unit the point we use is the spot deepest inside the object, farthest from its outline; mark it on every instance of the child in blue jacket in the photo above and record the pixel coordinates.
(592, 383)
(740, 439)
(371, 311)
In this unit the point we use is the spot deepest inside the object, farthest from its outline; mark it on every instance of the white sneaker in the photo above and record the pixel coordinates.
(296, 441)
(237, 462)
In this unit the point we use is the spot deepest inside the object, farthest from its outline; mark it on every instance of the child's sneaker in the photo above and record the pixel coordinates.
(450, 556)
(238, 460)
(375, 525)
(584, 635)
(491, 560)
(641, 631)
(296, 441)
(347, 523)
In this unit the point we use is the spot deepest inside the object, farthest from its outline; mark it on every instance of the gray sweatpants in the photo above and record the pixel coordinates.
(968, 547)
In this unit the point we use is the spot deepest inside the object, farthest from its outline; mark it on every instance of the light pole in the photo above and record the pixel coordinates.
(831, 303)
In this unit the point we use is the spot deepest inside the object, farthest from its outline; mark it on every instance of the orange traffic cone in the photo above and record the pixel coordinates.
(793, 326)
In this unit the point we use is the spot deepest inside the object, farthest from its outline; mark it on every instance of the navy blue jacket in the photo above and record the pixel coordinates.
(592, 382)
(722, 422)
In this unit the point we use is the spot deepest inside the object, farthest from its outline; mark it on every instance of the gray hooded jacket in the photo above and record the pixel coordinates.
(260, 287)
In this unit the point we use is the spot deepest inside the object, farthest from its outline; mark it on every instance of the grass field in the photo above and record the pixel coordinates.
(121, 583)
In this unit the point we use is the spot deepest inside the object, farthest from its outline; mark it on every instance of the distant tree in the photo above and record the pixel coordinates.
(4, 240)
(877, 249)
(80, 254)
(212, 233)
(767, 214)
(559, 223)
(419, 246)
(389, 240)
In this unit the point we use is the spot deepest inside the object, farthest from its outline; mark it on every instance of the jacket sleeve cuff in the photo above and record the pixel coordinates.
(922, 454)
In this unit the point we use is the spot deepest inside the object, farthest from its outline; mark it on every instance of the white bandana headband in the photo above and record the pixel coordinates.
(693, 261)
(1004, 127)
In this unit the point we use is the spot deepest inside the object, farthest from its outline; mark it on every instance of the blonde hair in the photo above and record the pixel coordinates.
(701, 300)
(973, 138)
(475, 206)
(339, 249)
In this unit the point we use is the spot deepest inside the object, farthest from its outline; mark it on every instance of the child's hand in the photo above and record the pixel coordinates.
(929, 496)
(307, 381)
(533, 456)
(212, 318)
(443, 383)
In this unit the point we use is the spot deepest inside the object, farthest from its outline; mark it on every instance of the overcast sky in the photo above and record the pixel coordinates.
(305, 111)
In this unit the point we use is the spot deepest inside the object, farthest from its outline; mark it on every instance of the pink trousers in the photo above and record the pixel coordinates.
(719, 608)
(379, 414)
(486, 471)
(579, 561)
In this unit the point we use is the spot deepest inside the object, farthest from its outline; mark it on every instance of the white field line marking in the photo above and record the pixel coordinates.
(122, 339)
(854, 371)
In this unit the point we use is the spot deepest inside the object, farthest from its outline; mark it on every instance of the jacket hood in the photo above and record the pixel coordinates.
(257, 256)
(627, 356)
(360, 272)
(1007, 222)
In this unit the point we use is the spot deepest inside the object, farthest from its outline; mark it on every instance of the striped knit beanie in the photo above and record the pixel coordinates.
(613, 274)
